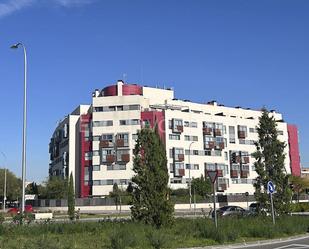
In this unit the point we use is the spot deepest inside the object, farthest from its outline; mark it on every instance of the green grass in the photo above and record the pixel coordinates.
(127, 234)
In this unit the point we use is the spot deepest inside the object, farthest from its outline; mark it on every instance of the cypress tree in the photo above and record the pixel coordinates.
(150, 199)
(71, 198)
(270, 166)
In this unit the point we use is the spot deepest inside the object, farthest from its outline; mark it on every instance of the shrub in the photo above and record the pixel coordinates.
(157, 238)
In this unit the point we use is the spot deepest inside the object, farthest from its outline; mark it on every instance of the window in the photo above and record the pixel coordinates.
(193, 124)
(104, 153)
(192, 166)
(174, 137)
(103, 123)
(96, 168)
(280, 132)
(134, 107)
(88, 156)
(178, 169)
(124, 137)
(178, 151)
(171, 168)
(252, 130)
(225, 156)
(120, 153)
(96, 182)
(107, 137)
(129, 122)
(191, 138)
(65, 130)
(134, 137)
(232, 134)
(116, 167)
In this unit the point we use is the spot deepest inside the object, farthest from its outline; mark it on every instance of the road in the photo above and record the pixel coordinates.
(291, 243)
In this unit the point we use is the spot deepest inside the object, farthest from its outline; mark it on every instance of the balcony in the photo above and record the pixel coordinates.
(110, 158)
(125, 158)
(244, 174)
(120, 142)
(234, 173)
(180, 157)
(220, 173)
(178, 129)
(218, 133)
(241, 134)
(181, 172)
(222, 187)
(106, 144)
(207, 131)
(246, 160)
(221, 146)
(210, 145)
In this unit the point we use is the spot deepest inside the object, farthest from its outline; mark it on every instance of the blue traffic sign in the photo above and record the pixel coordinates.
(270, 187)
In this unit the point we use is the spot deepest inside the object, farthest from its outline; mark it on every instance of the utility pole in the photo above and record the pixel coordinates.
(4, 188)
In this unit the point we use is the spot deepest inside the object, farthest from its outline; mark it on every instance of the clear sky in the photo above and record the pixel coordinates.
(240, 52)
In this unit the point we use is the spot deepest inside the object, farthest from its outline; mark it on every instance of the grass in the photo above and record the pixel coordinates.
(127, 234)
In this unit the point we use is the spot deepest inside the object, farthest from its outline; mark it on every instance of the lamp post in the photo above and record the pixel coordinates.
(190, 192)
(15, 46)
(4, 188)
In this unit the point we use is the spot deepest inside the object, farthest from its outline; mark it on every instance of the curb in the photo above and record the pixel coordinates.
(253, 243)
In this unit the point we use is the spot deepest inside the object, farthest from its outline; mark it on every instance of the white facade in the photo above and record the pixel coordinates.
(214, 133)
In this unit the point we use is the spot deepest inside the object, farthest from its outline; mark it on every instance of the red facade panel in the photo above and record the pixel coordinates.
(110, 91)
(132, 90)
(294, 150)
(155, 117)
(85, 146)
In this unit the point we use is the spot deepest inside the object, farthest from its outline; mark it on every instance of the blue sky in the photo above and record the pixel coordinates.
(241, 53)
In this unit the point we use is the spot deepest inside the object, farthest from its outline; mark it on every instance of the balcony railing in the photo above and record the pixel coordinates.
(210, 145)
(125, 158)
(106, 144)
(220, 172)
(180, 157)
(234, 173)
(241, 134)
(218, 132)
(246, 159)
(110, 158)
(244, 174)
(207, 131)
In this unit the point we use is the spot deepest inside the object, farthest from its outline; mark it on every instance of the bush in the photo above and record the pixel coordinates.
(1, 218)
(300, 207)
(121, 239)
(157, 238)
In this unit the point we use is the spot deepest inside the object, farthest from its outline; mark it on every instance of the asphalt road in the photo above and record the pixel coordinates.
(292, 243)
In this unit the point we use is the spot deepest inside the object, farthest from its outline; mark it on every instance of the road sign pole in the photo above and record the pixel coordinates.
(272, 208)
(215, 210)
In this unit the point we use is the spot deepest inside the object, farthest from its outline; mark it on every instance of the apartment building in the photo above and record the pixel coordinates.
(95, 142)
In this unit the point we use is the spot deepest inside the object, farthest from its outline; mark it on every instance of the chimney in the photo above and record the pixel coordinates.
(119, 87)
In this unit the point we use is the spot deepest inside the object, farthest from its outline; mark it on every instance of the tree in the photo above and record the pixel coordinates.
(13, 185)
(71, 198)
(299, 185)
(269, 165)
(202, 185)
(32, 189)
(115, 194)
(54, 188)
(150, 195)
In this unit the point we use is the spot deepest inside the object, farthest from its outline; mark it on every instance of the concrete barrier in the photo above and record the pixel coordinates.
(43, 216)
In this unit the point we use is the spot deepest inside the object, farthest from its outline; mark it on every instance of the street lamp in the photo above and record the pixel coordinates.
(190, 192)
(4, 188)
(15, 46)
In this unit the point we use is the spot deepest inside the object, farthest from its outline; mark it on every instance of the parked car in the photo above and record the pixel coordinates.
(16, 210)
(230, 211)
